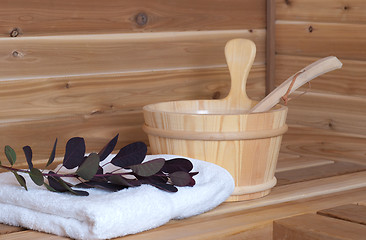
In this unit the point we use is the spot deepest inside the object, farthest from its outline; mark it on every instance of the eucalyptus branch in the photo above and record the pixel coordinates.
(161, 173)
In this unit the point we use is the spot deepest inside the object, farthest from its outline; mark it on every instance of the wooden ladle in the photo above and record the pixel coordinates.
(308, 73)
(240, 54)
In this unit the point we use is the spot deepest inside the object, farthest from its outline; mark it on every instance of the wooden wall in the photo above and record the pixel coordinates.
(307, 30)
(86, 67)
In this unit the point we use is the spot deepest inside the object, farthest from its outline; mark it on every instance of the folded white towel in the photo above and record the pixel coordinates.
(102, 214)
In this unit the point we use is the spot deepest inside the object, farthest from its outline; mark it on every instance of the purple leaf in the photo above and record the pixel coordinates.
(148, 168)
(55, 184)
(100, 185)
(180, 178)
(177, 164)
(107, 149)
(28, 155)
(61, 186)
(131, 154)
(53, 153)
(154, 178)
(75, 151)
(165, 187)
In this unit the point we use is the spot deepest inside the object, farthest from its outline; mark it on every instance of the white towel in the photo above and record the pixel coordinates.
(102, 214)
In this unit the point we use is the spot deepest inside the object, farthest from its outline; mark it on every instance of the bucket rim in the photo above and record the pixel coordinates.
(151, 108)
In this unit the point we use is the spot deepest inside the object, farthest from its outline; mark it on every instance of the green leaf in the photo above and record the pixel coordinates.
(148, 168)
(20, 180)
(89, 167)
(49, 187)
(10, 154)
(36, 176)
(52, 156)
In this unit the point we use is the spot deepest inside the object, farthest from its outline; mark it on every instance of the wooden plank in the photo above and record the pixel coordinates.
(349, 212)
(332, 112)
(52, 17)
(234, 218)
(298, 191)
(346, 41)
(351, 11)
(79, 95)
(287, 162)
(347, 81)
(213, 226)
(30, 235)
(318, 143)
(313, 226)
(5, 229)
(317, 172)
(35, 57)
(270, 46)
(97, 129)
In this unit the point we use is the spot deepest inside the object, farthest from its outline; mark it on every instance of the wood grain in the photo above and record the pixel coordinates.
(316, 143)
(6, 229)
(98, 94)
(45, 17)
(313, 226)
(350, 212)
(208, 226)
(30, 235)
(333, 112)
(346, 81)
(34, 57)
(270, 46)
(97, 129)
(288, 161)
(317, 172)
(346, 41)
(337, 11)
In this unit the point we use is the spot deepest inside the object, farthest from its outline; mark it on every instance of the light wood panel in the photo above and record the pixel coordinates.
(321, 143)
(52, 97)
(31, 57)
(211, 226)
(350, 80)
(346, 41)
(288, 161)
(97, 129)
(31, 235)
(317, 172)
(313, 226)
(338, 11)
(350, 212)
(327, 111)
(6, 229)
(53, 17)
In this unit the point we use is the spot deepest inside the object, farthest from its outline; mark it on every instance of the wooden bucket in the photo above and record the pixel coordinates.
(221, 132)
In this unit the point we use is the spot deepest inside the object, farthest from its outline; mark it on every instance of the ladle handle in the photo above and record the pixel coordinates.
(240, 54)
(308, 73)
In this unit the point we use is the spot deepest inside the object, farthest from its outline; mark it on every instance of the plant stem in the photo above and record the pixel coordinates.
(64, 175)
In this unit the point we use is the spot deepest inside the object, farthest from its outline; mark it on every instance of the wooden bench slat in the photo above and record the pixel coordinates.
(313, 226)
(350, 212)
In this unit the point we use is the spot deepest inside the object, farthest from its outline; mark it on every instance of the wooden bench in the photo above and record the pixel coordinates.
(309, 181)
